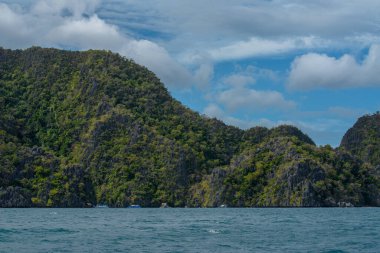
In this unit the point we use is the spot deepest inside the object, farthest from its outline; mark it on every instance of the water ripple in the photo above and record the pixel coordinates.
(190, 230)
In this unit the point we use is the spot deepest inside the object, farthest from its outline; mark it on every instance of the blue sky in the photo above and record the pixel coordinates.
(312, 64)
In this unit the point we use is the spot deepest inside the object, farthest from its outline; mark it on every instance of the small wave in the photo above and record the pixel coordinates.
(61, 230)
(53, 213)
(50, 230)
(213, 231)
(7, 231)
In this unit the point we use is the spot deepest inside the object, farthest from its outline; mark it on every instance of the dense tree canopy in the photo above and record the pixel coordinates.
(81, 128)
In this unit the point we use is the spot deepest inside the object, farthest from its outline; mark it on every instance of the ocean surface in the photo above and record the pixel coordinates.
(190, 230)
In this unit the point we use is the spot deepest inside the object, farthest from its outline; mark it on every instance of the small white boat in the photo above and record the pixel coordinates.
(164, 205)
(101, 206)
(134, 206)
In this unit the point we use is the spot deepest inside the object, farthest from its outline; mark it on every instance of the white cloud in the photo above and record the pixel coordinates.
(203, 75)
(91, 33)
(364, 39)
(260, 47)
(321, 71)
(239, 80)
(253, 100)
(197, 25)
(216, 31)
(225, 29)
(13, 30)
(181, 40)
(158, 60)
(73, 24)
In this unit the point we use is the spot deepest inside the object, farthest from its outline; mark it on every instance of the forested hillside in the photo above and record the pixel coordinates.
(363, 139)
(82, 128)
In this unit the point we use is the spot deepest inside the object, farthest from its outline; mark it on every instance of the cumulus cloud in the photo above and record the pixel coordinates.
(86, 33)
(158, 60)
(253, 100)
(219, 30)
(75, 25)
(236, 95)
(312, 71)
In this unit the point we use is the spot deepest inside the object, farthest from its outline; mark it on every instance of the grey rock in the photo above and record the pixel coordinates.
(14, 196)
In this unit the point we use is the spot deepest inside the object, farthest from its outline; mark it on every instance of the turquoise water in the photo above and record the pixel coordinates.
(190, 230)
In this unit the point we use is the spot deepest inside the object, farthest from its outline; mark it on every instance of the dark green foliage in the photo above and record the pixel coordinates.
(284, 171)
(363, 139)
(81, 128)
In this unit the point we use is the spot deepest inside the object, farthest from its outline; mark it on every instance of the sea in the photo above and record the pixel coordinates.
(190, 230)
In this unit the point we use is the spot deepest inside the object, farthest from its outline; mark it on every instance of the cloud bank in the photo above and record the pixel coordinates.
(260, 47)
(313, 71)
(254, 100)
(196, 47)
(74, 25)
(223, 29)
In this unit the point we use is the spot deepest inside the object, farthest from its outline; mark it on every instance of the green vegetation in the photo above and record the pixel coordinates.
(81, 128)
(363, 139)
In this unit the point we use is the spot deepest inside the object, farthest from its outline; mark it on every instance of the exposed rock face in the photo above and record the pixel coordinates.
(15, 197)
(212, 191)
(363, 139)
(284, 171)
(298, 189)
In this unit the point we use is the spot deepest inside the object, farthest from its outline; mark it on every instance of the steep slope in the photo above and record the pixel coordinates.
(81, 128)
(109, 118)
(284, 171)
(363, 139)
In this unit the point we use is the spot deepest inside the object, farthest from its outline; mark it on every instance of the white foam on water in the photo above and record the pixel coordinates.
(213, 231)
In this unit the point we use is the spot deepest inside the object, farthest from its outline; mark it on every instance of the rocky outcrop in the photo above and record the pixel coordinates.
(363, 139)
(286, 172)
(295, 185)
(14, 196)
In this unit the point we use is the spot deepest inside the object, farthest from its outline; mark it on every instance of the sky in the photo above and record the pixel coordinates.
(312, 64)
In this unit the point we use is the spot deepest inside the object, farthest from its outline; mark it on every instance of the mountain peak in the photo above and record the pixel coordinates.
(363, 139)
